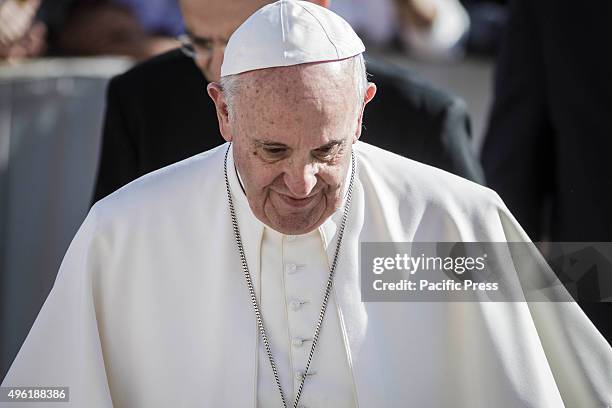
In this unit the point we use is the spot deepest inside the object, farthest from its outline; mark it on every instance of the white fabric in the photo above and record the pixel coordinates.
(150, 307)
(294, 271)
(375, 20)
(289, 32)
(442, 39)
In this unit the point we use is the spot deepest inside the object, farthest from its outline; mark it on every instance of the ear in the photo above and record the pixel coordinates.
(216, 94)
(369, 95)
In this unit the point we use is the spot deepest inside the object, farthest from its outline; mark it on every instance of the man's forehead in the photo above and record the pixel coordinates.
(290, 99)
(331, 74)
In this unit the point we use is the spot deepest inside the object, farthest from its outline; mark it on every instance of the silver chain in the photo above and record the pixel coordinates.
(247, 275)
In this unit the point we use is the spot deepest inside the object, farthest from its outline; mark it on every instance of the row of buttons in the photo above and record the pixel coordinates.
(299, 374)
(295, 305)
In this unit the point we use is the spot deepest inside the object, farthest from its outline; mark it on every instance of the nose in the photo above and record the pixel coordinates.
(301, 179)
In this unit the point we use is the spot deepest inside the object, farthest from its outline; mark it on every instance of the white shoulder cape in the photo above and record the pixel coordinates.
(150, 308)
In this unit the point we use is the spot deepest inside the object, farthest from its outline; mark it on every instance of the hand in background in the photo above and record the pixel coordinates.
(20, 35)
(419, 13)
(433, 29)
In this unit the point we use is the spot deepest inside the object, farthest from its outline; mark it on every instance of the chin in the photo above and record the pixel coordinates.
(294, 224)
(292, 228)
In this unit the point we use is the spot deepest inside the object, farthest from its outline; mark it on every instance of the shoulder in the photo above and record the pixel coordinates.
(402, 84)
(402, 177)
(170, 192)
(169, 70)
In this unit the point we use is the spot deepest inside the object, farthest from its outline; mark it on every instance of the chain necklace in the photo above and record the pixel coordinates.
(247, 275)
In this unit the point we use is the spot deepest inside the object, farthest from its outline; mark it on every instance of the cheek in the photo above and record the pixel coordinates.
(260, 176)
(266, 179)
(338, 175)
(332, 178)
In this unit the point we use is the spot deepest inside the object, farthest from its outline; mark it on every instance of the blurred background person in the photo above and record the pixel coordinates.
(133, 28)
(427, 29)
(547, 148)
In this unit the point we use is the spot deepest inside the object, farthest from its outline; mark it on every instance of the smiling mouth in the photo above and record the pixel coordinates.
(298, 203)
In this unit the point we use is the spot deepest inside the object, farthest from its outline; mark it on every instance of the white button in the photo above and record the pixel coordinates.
(295, 304)
(299, 342)
(291, 268)
(300, 373)
(290, 238)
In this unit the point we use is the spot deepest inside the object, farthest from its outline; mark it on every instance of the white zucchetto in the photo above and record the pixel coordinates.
(289, 32)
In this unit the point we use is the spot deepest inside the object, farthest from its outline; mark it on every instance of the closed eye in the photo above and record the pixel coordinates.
(274, 150)
(325, 152)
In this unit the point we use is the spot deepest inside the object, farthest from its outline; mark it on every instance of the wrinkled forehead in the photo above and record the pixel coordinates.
(308, 103)
(332, 80)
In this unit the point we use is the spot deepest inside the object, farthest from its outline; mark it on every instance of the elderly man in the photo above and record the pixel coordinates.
(158, 112)
(231, 279)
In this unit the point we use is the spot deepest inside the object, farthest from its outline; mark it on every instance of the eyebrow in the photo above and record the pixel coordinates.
(265, 142)
(330, 144)
(327, 145)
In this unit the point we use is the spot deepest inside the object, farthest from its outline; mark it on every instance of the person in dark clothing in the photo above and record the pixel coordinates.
(548, 142)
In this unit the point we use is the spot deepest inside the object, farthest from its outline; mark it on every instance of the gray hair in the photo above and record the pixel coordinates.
(231, 84)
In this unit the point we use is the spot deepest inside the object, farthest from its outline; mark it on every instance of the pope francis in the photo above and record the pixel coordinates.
(231, 279)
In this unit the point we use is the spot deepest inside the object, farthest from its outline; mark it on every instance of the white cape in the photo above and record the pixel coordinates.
(150, 308)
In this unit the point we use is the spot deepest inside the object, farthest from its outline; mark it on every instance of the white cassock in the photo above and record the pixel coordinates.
(150, 307)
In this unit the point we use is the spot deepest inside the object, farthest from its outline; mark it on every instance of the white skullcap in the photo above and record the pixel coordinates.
(289, 32)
